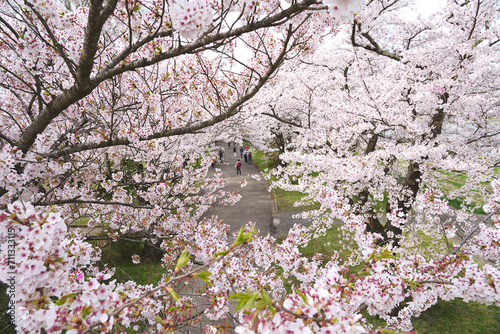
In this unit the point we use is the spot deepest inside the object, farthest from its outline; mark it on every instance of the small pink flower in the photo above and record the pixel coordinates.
(79, 276)
(136, 259)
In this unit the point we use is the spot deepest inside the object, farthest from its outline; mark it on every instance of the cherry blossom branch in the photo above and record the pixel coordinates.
(282, 120)
(14, 32)
(83, 86)
(300, 316)
(435, 282)
(206, 41)
(8, 140)
(166, 285)
(474, 21)
(231, 111)
(473, 231)
(375, 47)
(56, 45)
(482, 137)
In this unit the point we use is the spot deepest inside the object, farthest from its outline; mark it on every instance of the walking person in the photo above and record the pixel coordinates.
(221, 154)
(249, 158)
(241, 152)
(238, 167)
(234, 151)
(246, 157)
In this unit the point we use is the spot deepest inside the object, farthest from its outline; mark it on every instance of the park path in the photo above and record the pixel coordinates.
(256, 203)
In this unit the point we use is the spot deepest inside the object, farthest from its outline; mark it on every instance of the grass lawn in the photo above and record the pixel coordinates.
(285, 199)
(457, 316)
(454, 181)
(142, 273)
(452, 317)
(326, 245)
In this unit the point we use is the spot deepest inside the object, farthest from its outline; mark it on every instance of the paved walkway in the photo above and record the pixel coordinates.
(256, 204)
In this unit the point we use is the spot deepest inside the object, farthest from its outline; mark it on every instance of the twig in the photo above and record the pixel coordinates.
(161, 287)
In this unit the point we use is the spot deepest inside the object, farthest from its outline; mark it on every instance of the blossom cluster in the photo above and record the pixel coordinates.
(191, 18)
(57, 286)
(343, 9)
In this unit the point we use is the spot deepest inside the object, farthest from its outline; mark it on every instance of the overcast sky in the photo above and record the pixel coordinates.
(429, 6)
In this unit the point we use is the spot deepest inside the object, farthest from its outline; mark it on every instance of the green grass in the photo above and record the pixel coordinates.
(142, 273)
(457, 316)
(326, 245)
(285, 199)
(453, 182)
(262, 160)
(119, 255)
(452, 317)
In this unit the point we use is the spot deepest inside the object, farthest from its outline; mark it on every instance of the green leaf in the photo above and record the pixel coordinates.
(387, 254)
(414, 285)
(86, 311)
(265, 296)
(250, 303)
(174, 294)
(239, 238)
(204, 275)
(243, 238)
(159, 319)
(238, 296)
(302, 296)
(182, 261)
(122, 295)
(64, 299)
(220, 253)
(246, 300)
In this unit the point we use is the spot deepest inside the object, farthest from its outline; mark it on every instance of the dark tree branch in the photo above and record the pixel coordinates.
(374, 47)
(474, 20)
(282, 120)
(191, 128)
(85, 85)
